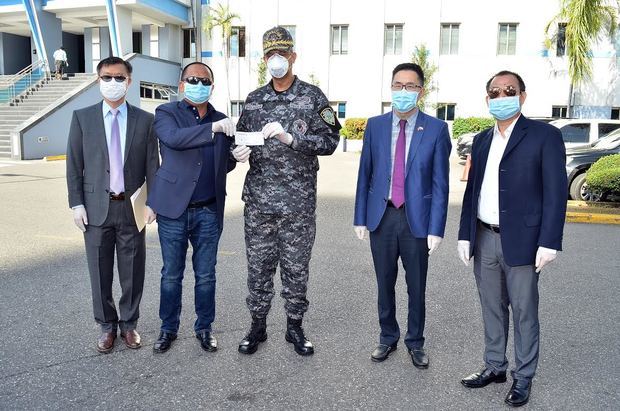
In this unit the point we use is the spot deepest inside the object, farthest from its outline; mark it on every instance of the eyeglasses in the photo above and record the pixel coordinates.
(118, 79)
(195, 80)
(284, 53)
(494, 92)
(408, 87)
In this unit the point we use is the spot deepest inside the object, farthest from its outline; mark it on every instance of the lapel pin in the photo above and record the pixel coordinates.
(420, 128)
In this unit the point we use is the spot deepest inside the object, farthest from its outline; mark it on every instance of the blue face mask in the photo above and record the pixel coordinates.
(503, 108)
(197, 93)
(404, 100)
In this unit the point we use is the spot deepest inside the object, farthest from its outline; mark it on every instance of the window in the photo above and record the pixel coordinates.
(507, 38)
(235, 108)
(559, 112)
(136, 41)
(386, 106)
(576, 133)
(393, 39)
(96, 47)
(291, 29)
(560, 45)
(606, 128)
(189, 43)
(445, 111)
(615, 113)
(449, 38)
(339, 107)
(236, 43)
(154, 41)
(155, 91)
(340, 39)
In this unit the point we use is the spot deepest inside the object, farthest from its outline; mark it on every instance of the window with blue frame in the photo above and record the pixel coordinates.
(342, 110)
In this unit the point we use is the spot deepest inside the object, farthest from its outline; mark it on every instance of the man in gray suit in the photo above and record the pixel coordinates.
(111, 151)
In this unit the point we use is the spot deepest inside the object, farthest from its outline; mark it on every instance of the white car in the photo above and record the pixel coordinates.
(581, 131)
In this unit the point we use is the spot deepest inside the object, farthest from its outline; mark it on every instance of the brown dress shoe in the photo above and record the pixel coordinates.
(106, 342)
(131, 339)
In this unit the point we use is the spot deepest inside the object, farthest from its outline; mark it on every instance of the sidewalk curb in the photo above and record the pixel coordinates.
(55, 158)
(592, 218)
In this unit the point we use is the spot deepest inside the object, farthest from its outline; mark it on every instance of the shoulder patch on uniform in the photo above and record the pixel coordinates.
(328, 115)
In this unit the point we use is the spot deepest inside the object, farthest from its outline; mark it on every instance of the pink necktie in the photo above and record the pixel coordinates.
(117, 180)
(398, 179)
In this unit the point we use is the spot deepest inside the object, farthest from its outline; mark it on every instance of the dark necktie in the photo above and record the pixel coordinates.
(398, 178)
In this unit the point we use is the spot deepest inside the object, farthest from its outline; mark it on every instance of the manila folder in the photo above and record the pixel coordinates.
(138, 203)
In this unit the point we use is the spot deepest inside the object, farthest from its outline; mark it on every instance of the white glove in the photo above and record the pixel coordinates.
(149, 215)
(432, 241)
(241, 153)
(463, 250)
(360, 231)
(225, 126)
(80, 218)
(543, 257)
(275, 129)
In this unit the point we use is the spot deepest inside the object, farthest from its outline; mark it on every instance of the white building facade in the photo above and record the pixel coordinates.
(349, 49)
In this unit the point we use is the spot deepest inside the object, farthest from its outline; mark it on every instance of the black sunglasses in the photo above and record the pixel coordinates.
(118, 79)
(495, 92)
(195, 80)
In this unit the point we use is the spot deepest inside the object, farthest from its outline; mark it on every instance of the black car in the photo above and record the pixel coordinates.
(579, 160)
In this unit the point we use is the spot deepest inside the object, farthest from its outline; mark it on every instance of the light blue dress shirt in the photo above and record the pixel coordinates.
(408, 134)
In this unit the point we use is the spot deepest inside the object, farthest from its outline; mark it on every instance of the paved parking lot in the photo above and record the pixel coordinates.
(48, 357)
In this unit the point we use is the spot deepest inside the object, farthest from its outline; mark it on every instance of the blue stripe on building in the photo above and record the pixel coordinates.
(169, 7)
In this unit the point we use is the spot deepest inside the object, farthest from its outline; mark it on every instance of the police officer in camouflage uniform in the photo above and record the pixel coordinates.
(280, 188)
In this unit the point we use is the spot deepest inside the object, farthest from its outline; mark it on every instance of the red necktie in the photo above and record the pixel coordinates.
(398, 178)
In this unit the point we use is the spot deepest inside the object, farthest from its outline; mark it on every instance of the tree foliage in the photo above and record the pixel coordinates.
(420, 57)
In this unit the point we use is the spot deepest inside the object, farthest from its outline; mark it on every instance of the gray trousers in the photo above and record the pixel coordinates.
(117, 233)
(500, 286)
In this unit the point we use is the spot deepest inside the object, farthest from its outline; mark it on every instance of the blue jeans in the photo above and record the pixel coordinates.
(198, 226)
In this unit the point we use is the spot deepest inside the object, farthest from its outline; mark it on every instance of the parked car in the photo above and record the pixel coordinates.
(579, 160)
(579, 131)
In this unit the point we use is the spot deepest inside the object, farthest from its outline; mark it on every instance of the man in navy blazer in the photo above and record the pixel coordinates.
(188, 196)
(512, 222)
(402, 199)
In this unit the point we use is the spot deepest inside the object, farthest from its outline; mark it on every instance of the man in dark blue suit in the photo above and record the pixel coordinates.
(188, 197)
(512, 221)
(402, 199)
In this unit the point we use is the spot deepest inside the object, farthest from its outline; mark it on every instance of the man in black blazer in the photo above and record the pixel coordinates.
(111, 152)
(512, 221)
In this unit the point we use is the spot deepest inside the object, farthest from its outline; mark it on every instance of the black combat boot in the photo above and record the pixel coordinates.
(295, 335)
(256, 335)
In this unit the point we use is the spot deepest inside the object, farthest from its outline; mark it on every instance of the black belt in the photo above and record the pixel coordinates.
(391, 204)
(492, 227)
(200, 204)
(117, 197)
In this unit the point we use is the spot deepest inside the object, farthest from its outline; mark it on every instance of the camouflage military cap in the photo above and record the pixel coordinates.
(277, 38)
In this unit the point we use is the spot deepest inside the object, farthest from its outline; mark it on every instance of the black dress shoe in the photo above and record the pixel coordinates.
(382, 352)
(256, 335)
(295, 335)
(519, 393)
(419, 357)
(164, 342)
(207, 341)
(483, 378)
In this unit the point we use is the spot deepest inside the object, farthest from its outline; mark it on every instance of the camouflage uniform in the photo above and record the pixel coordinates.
(280, 191)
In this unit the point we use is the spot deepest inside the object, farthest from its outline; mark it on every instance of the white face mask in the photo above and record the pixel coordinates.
(277, 65)
(113, 90)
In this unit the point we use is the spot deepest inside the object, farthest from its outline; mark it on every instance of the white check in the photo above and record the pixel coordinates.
(243, 138)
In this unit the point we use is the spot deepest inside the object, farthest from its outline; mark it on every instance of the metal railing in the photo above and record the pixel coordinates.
(13, 87)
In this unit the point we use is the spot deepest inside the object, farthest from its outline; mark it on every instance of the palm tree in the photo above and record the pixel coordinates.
(586, 21)
(222, 17)
(420, 57)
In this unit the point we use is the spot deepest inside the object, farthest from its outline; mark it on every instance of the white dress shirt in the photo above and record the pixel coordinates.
(408, 134)
(122, 123)
(60, 55)
(488, 201)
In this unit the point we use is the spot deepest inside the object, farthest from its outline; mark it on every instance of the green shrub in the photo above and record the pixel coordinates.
(354, 128)
(461, 126)
(604, 175)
